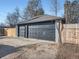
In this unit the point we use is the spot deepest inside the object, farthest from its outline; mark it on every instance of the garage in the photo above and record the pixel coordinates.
(41, 28)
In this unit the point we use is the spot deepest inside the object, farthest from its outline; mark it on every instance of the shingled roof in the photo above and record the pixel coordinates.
(41, 18)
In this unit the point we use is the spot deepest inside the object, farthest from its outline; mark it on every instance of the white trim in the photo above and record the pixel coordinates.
(56, 32)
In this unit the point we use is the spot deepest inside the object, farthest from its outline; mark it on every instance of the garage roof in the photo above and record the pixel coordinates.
(41, 18)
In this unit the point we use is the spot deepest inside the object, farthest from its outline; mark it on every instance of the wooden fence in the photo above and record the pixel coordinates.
(1, 32)
(10, 32)
(70, 33)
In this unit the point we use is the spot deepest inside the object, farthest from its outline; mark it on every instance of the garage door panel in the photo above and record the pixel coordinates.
(46, 32)
(21, 31)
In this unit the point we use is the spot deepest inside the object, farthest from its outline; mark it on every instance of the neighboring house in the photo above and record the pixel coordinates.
(43, 27)
(71, 11)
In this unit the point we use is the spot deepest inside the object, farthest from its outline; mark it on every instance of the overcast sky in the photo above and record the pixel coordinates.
(9, 6)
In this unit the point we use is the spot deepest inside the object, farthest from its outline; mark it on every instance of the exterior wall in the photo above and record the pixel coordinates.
(70, 33)
(10, 32)
(57, 32)
(43, 30)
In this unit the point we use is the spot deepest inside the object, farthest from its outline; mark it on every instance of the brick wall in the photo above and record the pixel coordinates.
(70, 33)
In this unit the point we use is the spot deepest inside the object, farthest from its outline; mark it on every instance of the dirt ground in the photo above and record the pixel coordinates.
(26, 49)
(68, 51)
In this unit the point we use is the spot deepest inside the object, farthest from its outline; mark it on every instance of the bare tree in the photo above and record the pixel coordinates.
(34, 8)
(71, 11)
(13, 18)
(2, 25)
(55, 6)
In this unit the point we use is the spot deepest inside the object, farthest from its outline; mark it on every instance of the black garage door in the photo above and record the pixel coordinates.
(21, 31)
(44, 31)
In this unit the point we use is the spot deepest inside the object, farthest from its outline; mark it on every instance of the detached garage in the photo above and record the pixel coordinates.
(40, 27)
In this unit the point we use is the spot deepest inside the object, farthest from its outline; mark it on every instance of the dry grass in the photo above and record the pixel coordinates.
(47, 51)
(25, 49)
(38, 51)
(51, 51)
(68, 51)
